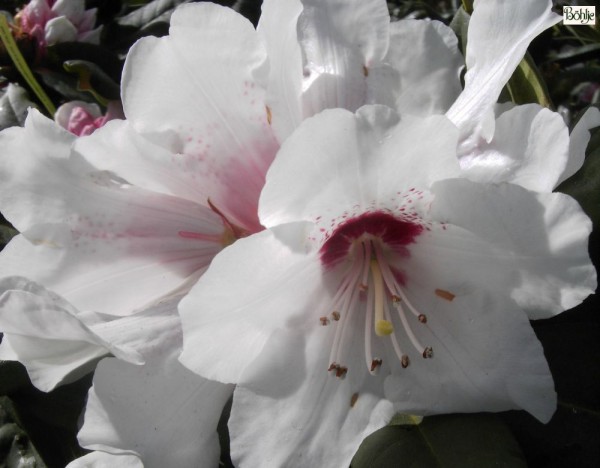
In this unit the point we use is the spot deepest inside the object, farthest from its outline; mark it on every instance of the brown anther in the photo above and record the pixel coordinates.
(333, 366)
(405, 361)
(324, 321)
(341, 372)
(428, 352)
(365, 70)
(363, 287)
(335, 315)
(353, 399)
(447, 295)
(422, 318)
(375, 363)
(269, 115)
(395, 299)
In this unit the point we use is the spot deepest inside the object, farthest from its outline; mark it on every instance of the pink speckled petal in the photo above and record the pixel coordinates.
(206, 104)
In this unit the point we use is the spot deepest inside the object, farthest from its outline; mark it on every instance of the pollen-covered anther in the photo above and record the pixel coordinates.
(375, 364)
(446, 295)
(335, 315)
(404, 361)
(353, 400)
(324, 321)
(396, 299)
(334, 366)
(269, 115)
(428, 352)
(341, 372)
(362, 287)
(422, 318)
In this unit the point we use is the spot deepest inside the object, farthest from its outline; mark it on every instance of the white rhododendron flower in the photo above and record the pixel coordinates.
(385, 282)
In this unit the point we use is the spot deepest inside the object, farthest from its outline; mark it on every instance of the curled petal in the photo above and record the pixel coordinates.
(47, 335)
(499, 34)
(580, 137)
(530, 148)
(544, 235)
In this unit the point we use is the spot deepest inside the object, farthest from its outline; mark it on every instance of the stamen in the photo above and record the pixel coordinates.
(237, 231)
(353, 400)
(447, 295)
(335, 315)
(333, 366)
(324, 321)
(347, 308)
(375, 364)
(341, 372)
(269, 115)
(394, 288)
(405, 361)
(428, 352)
(366, 259)
(382, 327)
(414, 340)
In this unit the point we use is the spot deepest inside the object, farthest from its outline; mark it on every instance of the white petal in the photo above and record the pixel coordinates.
(233, 310)
(214, 99)
(421, 71)
(277, 27)
(60, 30)
(47, 336)
(148, 332)
(544, 235)
(90, 233)
(580, 137)
(529, 148)
(342, 160)
(106, 460)
(160, 412)
(38, 152)
(486, 358)
(321, 422)
(69, 8)
(340, 40)
(499, 34)
(118, 148)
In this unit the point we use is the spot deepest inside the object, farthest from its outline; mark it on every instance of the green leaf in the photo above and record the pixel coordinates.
(13, 111)
(16, 450)
(461, 441)
(93, 80)
(460, 26)
(584, 186)
(157, 10)
(6, 234)
(104, 58)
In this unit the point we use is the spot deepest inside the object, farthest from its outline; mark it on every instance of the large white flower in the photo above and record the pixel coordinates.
(385, 282)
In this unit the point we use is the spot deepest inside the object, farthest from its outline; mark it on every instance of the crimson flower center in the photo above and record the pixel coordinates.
(369, 248)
